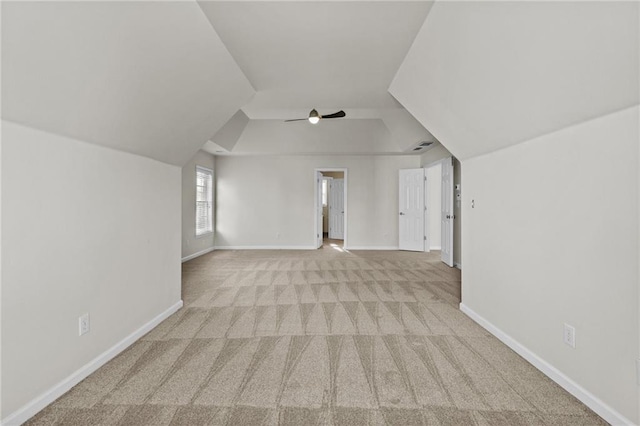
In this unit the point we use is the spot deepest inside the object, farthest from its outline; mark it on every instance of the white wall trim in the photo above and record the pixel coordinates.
(35, 405)
(435, 248)
(372, 248)
(265, 248)
(198, 254)
(458, 265)
(586, 397)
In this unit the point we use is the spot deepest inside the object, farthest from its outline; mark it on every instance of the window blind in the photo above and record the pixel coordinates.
(204, 200)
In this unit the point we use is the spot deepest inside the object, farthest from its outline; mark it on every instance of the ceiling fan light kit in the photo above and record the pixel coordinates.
(314, 116)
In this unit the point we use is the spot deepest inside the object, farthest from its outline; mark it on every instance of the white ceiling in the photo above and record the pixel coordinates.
(324, 55)
(160, 79)
(151, 78)
(482, 76)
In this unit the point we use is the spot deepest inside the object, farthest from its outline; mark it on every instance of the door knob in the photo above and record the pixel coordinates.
(401, 214)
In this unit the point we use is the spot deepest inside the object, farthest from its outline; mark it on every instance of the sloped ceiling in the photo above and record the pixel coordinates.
(226, 138)
(325, 55)
(486, 75)
(365, 136)
(151, 78)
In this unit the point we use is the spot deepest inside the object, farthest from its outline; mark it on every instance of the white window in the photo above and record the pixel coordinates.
(204, 201)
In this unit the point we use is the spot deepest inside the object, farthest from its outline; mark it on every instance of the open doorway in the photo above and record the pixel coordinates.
(330, 224)
(440, 193)
(433, 203)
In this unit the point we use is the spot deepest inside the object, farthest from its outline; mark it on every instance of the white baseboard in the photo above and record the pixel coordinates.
(37, 404)
(587, 398)
(372, 248)
(458, 265)
(198, 254)
(436, 248)
(265, 248)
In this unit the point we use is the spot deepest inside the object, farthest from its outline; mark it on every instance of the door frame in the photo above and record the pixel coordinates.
(317, 197)
(448, 163)
(427, 210)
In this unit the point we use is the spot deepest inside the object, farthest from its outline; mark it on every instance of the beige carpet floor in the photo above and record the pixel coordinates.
(320, 337)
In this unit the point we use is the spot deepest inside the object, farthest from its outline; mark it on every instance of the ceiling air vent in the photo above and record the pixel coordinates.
(422, 146)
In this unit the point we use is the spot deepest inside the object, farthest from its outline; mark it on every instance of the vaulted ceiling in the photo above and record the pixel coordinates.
(164, 79)
(151, 78)
(482, 76)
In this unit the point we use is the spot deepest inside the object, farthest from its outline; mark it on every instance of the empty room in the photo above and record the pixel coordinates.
(320, 213)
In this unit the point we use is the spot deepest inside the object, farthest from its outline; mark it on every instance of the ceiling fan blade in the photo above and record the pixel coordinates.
(296, 119)
(338, 114)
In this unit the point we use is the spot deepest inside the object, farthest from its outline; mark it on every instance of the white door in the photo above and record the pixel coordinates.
(448, 216)
(319, 216)
(336, 209)
(411, 206)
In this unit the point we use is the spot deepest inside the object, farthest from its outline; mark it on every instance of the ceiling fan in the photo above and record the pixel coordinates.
(314, 117)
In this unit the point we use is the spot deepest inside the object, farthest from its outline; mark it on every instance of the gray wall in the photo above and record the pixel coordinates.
(553, 239)
(268, 201)
(86, 229)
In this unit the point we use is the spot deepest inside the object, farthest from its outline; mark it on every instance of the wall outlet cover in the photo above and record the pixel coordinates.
(569, 336)
(83, 324)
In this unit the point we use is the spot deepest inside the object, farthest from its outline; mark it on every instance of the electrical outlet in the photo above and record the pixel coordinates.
(569, 336)
(83, 324)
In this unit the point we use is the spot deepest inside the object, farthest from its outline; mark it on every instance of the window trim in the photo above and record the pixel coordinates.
(212, 231)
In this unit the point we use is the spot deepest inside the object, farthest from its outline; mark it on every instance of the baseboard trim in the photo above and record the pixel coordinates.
(586, 397)
(198, 254)
(37, 404)
(265, 248)
(457, 265)
(436, 248)
(372, 248)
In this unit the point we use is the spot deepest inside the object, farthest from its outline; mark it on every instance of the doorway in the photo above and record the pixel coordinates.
(433, 204)
(439, 208)
(330, 223)
(426, 208)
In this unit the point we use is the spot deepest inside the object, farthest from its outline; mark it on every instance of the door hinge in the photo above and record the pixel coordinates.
(425, 238)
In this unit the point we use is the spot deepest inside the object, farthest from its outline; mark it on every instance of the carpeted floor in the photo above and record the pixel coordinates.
(320, 337)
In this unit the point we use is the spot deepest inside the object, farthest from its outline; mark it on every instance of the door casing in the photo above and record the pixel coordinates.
(318, 202)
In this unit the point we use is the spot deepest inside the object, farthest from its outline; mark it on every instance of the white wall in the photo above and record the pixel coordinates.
(434, 206)
(85, 229)
(267, 201)
(192, 245)
(553, 238)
